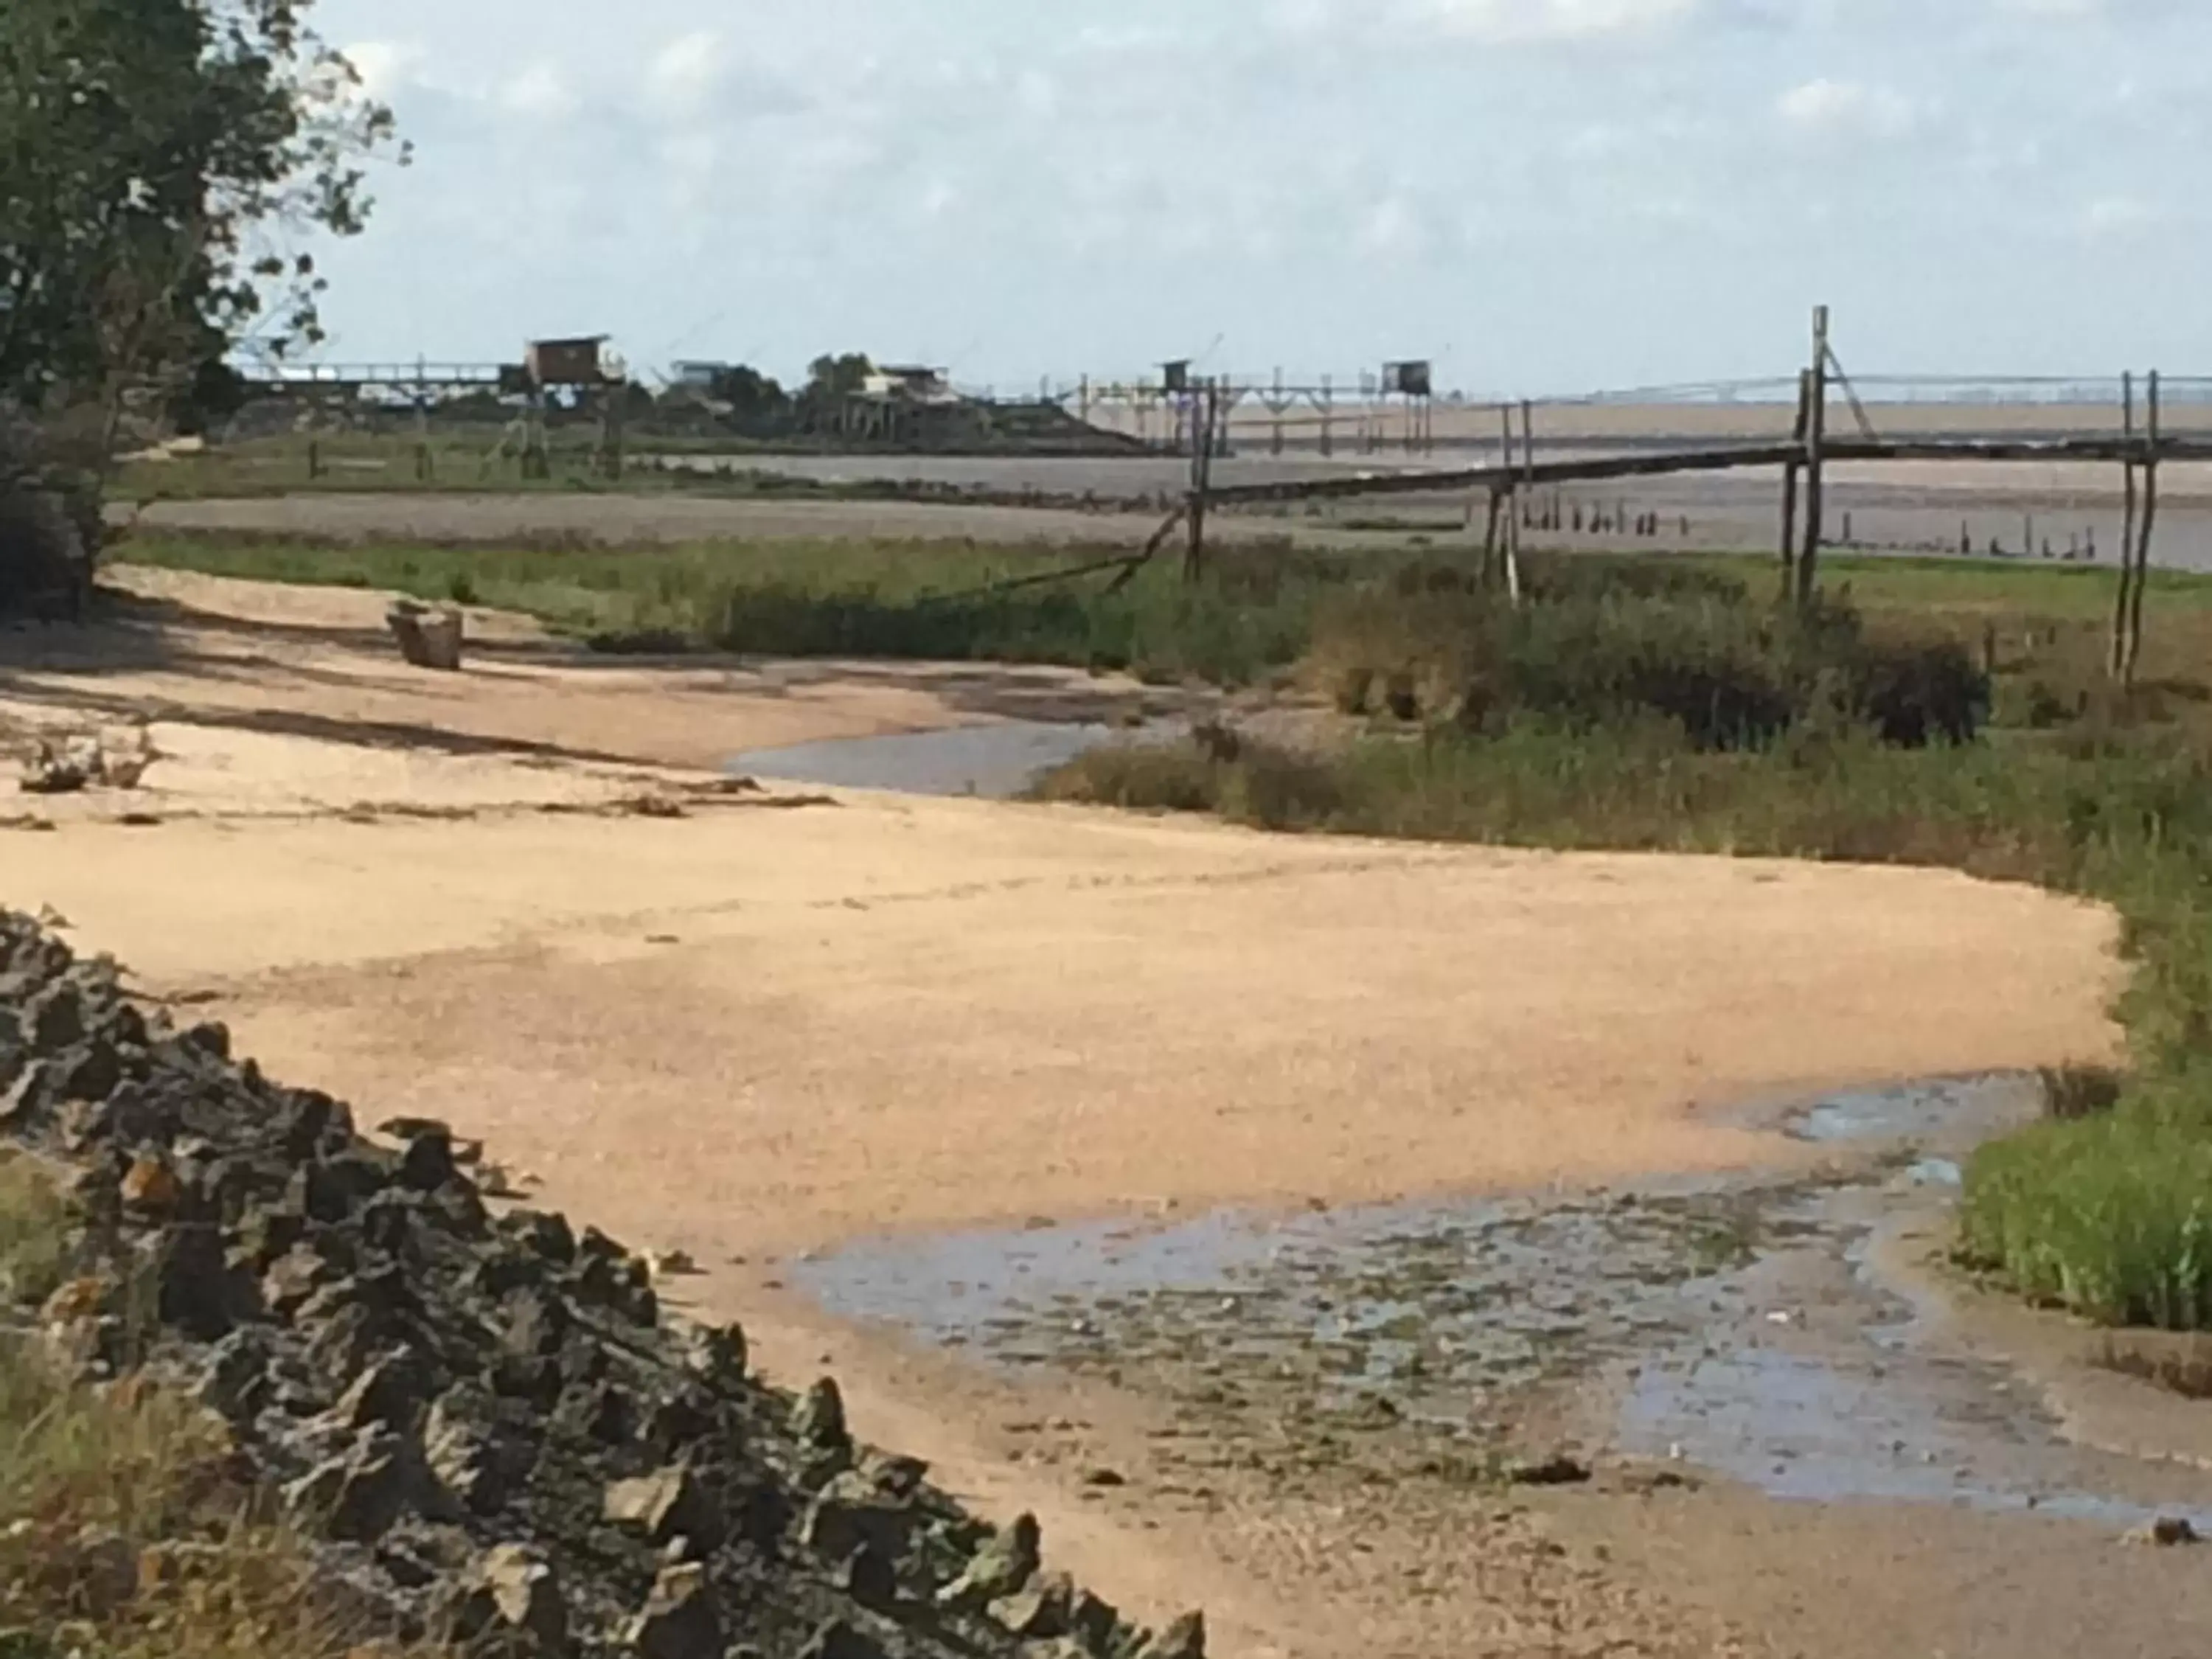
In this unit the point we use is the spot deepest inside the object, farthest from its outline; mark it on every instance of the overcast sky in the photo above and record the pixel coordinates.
(1542, 195)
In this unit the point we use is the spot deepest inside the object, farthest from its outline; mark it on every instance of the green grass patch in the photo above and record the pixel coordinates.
(918, 600)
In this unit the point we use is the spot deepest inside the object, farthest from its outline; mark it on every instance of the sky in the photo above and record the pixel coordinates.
(1541, 196)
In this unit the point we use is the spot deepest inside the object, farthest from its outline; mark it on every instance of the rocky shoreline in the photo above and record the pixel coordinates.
(481, 1413)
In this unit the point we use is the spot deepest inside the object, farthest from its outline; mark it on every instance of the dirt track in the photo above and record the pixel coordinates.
(753, 1030)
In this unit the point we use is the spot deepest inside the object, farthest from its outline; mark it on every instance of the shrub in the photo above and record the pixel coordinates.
(50, 528)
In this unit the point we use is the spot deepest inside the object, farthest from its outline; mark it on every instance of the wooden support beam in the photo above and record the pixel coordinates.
(2122, 607)
(1816, 434)
(2143, 549)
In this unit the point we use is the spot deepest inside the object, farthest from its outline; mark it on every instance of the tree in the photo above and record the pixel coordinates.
(755, 398)
(829, 382)
(155, 155)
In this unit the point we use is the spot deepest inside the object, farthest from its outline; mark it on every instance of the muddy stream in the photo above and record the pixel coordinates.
(1766, 1332)
(1785, 1331)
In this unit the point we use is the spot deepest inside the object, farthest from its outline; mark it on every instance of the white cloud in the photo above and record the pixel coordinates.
(540, 89)
(1514, 21)
(687, 69)
(2114, 216)
(1847, 109)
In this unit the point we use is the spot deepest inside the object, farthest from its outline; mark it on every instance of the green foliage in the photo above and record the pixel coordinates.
(1610, 644)
(144, 143)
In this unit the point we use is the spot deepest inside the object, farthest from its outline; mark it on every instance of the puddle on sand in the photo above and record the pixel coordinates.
(997, 762)
(1739, 1328)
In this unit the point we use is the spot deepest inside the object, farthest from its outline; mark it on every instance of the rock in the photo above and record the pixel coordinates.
(547, 1235)
(838, 1640)
(1183, 1639)
(91, 1071)
(414, 1129)
(896, 1477)
(1105, 1477)
(851, 1514)
(1001, 1568)
(515, 1594)
(199, 1289)
(716, 1355)
(670, 1504)
(54, 1019)
(428, 1163)
(235, 1381)
(671, 1264)
(870, 1577)
(390, 1393)
(2168, 1532)
(536, 1322)
(818, 1419)
(464, 1456)
(1095, 1624)
(292, 1279)
(24, 1098)
(680, 1420)
(679, 1619)
(360, 1495)
(1560, 1468)
(1041, 1611)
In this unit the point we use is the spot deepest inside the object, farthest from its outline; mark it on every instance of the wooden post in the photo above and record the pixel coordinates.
(1205, 409)
(1513, 559)
(1527, 437)
(1789, 470)
(1327, 413)
(1816, 434)
(1490, 540)
(2149, 522)
(2122, 609)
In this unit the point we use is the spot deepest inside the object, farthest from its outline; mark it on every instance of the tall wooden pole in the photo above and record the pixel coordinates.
(1816, 434)
(1509, 503)
(1490, 540)
(2123, 607)
(1790, 470)
(2149, 522)
(1205, 410)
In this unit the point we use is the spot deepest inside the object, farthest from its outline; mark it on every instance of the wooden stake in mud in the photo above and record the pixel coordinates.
(1490, 540)
(2142, 548)
(1816, 435)
(2123, 608)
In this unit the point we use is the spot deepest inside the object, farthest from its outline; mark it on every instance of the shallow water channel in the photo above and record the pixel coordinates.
(1747, 1329)
(996, 761)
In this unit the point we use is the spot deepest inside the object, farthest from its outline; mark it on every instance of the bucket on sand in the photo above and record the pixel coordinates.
(427, 639)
